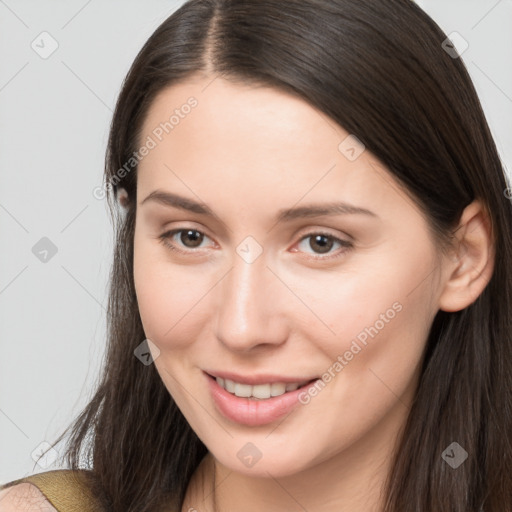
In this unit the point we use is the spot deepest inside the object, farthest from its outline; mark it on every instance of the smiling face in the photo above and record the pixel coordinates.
(252, 286)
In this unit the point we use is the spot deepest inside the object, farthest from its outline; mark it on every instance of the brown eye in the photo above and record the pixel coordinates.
(321, 243)
(195, 237)
(186, 242)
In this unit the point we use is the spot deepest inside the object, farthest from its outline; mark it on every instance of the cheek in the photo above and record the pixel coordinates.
(168, 295)
(366, 299)
(380, 322)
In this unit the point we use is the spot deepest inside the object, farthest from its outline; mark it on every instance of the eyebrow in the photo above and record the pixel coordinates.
(285, 214)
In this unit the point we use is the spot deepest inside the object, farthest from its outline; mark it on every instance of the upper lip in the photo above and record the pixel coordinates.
(254, 380)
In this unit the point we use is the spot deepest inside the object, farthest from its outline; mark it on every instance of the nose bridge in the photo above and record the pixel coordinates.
(248, 309)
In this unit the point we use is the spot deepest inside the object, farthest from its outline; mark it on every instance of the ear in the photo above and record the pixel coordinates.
(122, 197)
(471, 265)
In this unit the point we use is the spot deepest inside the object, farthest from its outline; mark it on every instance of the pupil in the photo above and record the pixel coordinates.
(189, 234)
(324, 246)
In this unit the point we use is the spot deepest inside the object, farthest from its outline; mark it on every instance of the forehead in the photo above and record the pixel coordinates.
(228, 111)
(215, 139)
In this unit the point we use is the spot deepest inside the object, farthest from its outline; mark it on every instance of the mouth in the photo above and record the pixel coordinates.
(261, 391)
(255, 404)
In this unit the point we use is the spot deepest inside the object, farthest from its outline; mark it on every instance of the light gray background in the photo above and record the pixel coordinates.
(54, 116)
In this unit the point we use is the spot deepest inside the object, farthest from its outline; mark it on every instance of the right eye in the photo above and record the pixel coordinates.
(187, 235)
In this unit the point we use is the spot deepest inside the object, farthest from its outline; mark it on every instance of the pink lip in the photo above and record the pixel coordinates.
(266, 378)
(250, 412)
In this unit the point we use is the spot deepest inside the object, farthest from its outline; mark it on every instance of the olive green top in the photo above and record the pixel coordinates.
(67, 490)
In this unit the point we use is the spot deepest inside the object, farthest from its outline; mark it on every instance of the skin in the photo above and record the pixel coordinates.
(24, 497)
(247, 152)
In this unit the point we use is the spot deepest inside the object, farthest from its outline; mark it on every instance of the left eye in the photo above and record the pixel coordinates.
(192, 239)
(324, 242)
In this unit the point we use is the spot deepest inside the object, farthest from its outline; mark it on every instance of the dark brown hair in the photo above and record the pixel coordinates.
(378, 69)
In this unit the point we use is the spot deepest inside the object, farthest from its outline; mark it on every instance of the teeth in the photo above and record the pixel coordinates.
(243, 390)
(277, 388)
(259, 391)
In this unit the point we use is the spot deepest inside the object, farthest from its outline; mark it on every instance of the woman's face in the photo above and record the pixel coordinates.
(267, 279)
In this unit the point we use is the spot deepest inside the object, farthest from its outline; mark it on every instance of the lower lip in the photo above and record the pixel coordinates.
(254, 412)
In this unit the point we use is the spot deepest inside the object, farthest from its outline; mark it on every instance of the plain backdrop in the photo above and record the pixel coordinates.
(62, 64)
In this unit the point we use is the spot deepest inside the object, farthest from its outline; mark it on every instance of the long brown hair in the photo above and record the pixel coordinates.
(378, 69)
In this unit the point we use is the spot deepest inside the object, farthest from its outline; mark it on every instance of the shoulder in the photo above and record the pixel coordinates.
(61, 489)
(24, 497)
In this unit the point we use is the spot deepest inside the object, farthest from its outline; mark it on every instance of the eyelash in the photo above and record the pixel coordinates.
(164, 239)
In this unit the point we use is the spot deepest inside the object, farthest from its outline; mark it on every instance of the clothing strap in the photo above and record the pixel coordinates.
(67, 490)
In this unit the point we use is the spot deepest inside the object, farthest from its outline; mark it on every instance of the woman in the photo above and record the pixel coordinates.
(311, 289)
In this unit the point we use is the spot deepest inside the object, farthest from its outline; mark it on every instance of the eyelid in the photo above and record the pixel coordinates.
(324, 231)
(170, 231)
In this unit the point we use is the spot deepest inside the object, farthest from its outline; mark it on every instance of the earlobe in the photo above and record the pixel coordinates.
(122, 197)
(471, 267)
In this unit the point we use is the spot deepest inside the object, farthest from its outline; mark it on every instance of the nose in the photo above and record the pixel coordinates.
(251, 307)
